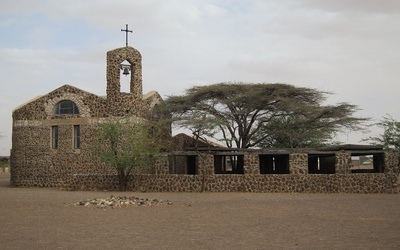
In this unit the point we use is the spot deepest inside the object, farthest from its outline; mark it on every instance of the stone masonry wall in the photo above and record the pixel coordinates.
(162, 182)
(35, 163)
(343, 162)
(336, 183)
(391, 162)
(252, 164)
(298, 163)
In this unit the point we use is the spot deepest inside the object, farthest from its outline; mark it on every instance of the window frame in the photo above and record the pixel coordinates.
(66, 107)
(54, 137)
(77, 136)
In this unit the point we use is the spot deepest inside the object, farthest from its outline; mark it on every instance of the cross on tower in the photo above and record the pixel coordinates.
(126, 34)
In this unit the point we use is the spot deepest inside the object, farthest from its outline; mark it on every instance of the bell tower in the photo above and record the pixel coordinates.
(120, 103)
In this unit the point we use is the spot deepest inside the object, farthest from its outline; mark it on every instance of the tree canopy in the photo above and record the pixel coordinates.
(391, 134)
(247, 115)
(125, 146)
(296, 132)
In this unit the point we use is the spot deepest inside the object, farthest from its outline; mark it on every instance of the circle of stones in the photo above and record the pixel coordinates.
(121, 201)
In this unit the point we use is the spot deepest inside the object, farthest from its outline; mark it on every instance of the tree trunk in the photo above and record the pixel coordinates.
(122, 179)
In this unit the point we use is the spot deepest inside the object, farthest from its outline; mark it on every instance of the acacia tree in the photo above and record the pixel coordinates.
(390, 139)
(296, 132)
(391, 134)
(244, 112)
(125, 146)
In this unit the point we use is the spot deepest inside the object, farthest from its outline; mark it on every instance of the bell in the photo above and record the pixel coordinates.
(126, 71)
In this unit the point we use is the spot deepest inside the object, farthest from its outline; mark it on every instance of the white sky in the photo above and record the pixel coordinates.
(348, 47)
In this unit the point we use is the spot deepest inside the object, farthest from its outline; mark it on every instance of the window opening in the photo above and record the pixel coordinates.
(367, 163)
(274, 164)
(321, 164)
(77, 136)
(54, 137)
(125, 76)
(229, 164)
(66, 107)
(191, 165)
(183, 164)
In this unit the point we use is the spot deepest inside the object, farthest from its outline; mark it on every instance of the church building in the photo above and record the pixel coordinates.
(53, 134)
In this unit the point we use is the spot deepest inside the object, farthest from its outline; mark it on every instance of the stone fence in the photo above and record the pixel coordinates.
(254, 172)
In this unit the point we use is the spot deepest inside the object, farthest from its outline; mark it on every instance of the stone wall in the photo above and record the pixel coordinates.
(298, 163)
(252, 164)
(343, 162)
(33, 157)
(161, 181)
(336, 183)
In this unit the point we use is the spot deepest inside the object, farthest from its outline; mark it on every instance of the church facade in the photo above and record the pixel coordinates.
(53, 134)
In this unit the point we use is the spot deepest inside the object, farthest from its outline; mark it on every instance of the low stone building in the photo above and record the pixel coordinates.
(320, 170)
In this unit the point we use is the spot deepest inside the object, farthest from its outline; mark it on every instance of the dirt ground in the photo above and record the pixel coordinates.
(41, 218)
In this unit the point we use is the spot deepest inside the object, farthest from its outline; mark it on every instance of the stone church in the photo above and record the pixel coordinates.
(53, 134)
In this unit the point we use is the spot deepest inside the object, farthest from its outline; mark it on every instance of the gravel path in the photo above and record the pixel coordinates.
(40, 218)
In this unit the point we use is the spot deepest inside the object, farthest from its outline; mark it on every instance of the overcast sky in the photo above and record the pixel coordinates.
(348, 47)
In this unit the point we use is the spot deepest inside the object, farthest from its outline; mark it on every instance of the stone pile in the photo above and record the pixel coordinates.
(121, 201)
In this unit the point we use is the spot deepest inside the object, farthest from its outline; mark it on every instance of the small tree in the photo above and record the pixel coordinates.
(125, 146)
(390, 139)
(391, 135)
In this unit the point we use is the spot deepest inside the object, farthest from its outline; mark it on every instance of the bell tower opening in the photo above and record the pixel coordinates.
(125, 76)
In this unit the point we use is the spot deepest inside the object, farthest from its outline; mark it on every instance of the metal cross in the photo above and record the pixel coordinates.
(126, 32)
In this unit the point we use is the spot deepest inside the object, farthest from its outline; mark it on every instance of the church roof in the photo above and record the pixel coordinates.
(151, 93)
(63, 89)
(27, 102)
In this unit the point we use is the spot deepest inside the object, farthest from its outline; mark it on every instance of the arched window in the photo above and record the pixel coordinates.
(66, 107)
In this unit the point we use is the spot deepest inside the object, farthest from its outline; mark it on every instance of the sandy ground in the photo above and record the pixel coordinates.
(39, 218)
